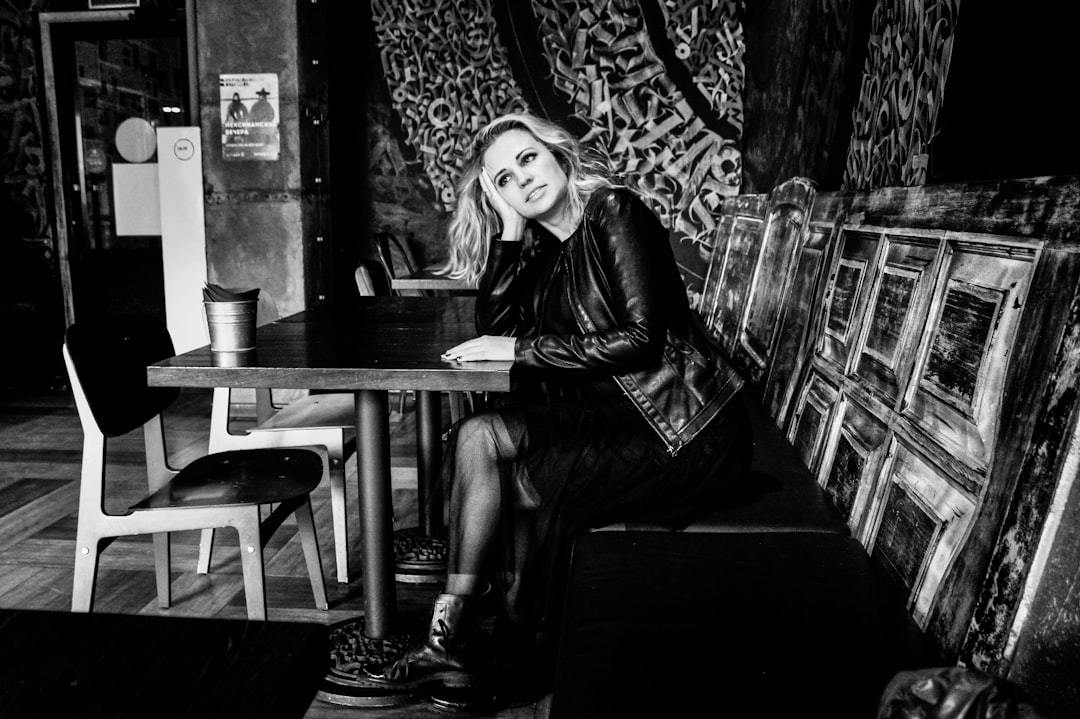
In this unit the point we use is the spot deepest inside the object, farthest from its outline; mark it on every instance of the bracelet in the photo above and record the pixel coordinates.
(496, 236)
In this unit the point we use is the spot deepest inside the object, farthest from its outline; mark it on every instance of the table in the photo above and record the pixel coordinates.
(429, 279)
(74, 664)
(370, 347)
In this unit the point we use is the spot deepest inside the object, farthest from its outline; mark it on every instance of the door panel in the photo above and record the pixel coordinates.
(106, 70)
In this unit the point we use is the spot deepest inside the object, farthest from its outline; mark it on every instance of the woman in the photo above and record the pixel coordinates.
(622, 408)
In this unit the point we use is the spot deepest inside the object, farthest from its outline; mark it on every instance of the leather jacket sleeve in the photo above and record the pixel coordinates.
(621, 290)
(498, 311)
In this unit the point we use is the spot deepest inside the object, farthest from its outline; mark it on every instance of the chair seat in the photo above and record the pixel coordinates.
(240, 477)
(315, 411)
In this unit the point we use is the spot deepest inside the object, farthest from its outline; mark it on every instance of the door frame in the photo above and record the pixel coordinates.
(61, 220)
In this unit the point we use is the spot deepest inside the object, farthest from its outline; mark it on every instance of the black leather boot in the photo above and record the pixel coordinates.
(447, 654)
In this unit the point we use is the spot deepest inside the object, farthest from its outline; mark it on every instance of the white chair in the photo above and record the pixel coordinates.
(322, 421)
(106, 362)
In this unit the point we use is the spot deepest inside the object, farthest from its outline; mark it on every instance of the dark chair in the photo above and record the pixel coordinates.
(398, 260)
(106, 361)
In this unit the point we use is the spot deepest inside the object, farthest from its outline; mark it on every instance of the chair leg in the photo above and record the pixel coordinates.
(457, 406)
(162, 564)
(206, 548)
(305, 523)
(251, 561)
(86, 566)
(339, 511)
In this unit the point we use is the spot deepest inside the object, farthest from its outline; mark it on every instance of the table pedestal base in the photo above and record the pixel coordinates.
(418, 558)
(350, 650)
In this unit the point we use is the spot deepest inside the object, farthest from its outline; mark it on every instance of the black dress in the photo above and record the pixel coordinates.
(588, 452)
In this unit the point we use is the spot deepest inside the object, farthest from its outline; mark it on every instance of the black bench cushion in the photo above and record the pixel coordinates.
(67, 664)
(779, 495)
(729, 625)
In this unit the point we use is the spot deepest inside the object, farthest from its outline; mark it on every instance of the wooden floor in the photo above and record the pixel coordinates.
(40, 456)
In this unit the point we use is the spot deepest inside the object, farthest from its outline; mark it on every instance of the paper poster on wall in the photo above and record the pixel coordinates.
(249, 116)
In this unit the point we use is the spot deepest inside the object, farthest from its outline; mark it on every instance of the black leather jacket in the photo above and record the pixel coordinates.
(631, 310)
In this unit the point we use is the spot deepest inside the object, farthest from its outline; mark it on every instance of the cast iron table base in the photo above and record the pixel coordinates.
(419, 558)
(350, 651)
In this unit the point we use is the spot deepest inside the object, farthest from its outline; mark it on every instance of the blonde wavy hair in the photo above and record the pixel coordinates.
(474, 221)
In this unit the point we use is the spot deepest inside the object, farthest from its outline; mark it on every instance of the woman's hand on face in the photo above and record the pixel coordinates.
(486, 347)
(513, 224)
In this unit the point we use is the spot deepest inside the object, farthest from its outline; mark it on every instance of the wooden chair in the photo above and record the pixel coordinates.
(322, 421)
(106, 362)
(397, 259)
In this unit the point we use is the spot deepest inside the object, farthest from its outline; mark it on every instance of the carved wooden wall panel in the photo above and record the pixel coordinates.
(813, 419)
(917, 334)
(899, 297)
(971, 328)
(732, 269)
(847, 296)
(917, 525)
(852, 460)
(738, 224)
(753, 271)
(781, 239)
(789, 356)
(915, 329)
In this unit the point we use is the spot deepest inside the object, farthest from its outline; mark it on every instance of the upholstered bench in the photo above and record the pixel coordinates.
(763, 624)
(779, 495)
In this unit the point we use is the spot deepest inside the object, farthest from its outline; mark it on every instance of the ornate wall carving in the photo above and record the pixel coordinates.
(902, 90)
(447, 74)
(708, 39)
(23, 163)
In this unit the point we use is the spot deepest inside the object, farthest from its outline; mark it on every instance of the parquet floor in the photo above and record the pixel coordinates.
(40, 459)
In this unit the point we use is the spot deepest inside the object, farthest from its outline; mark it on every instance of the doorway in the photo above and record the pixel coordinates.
(111, 78)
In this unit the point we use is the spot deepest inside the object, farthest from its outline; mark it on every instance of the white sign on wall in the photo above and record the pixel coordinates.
(183, 234)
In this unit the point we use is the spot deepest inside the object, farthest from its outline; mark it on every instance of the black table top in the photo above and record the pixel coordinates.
(378, 343)
(72, 665)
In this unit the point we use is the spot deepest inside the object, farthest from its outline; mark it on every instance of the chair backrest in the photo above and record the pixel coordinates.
(398, 260)
(395, 256)
(108, 358)
(371, 279)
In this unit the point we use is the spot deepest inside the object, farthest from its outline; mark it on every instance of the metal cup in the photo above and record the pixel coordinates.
(231, 325)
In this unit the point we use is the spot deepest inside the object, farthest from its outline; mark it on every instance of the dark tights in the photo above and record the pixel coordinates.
(489, 501)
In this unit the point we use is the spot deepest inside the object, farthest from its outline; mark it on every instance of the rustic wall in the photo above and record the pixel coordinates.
(1047, 653)
(655, 87)
(803, 63)
(903, 90)
(31, 306)
(254, 234)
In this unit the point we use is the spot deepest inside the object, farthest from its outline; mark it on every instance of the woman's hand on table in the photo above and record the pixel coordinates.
(486, 347)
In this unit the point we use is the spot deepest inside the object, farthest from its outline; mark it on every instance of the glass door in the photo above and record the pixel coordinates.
(115, 78)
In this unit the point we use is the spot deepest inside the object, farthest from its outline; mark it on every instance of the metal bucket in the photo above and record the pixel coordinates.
(231, 325)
